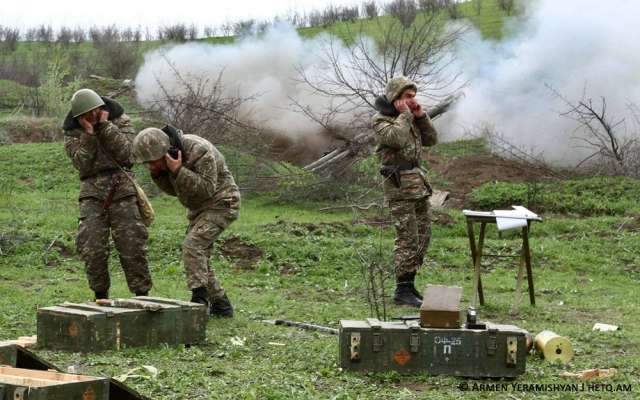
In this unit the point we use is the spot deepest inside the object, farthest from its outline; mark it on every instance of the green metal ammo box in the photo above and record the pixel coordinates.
(144, 321)
(27, 384)
(371, 345)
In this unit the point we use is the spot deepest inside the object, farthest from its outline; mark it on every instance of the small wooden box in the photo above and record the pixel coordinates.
(441, 307)
(28, 384)
(89, 327)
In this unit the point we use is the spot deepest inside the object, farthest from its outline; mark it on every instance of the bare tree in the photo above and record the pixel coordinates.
(430, 6)
(370, 9)
(79, 35)
(192, 32)
(245, 27)
(606, 136)
(405, 10)
(210, 31)
(352, 77)
(64, 36)
(44, 33)
(173, 33)
(421, 52)
(10, 38)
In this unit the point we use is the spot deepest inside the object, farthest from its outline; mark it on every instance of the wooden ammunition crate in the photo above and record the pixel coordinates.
(441, 307)
(27, 384)
(89, 327)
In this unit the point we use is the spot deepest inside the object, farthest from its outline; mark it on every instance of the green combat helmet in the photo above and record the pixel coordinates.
(84, 100)
(150, 144)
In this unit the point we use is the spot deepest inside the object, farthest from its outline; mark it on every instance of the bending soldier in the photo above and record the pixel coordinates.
(402, 128)
(98, 136)
(193, 170)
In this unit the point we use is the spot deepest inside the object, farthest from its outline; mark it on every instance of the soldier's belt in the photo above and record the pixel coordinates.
(392, 171)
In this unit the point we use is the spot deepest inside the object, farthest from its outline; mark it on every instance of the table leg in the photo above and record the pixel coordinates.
(527, 258)
(483, 227)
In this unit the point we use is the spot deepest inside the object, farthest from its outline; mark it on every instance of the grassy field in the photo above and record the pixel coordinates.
(587, 269)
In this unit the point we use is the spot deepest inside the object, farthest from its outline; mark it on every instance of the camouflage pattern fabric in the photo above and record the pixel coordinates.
(205, 186)
(197, 246)
(400, 138)
(95, 157)
(129, 235)
(203, 182)
(396, 86)
(88, 154)
(412, 220)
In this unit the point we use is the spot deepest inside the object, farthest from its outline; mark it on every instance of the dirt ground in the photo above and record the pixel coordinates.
(463, 174)
(242, 254)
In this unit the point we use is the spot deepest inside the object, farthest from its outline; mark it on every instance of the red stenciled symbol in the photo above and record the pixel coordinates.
(73, 329)
(401, 357)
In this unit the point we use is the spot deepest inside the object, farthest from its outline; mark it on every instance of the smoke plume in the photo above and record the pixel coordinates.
(264, 67)
(575, 47)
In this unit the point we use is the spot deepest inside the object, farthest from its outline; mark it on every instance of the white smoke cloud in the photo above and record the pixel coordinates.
(570, 45)
(263, 66)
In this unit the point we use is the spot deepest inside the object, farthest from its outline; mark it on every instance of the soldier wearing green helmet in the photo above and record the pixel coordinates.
(402, 129)
(98, 136)
(192, 169)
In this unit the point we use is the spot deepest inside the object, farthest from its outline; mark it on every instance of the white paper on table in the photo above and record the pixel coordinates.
(511, 219)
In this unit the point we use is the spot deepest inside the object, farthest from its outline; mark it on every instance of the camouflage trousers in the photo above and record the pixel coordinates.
(202, 232)
(122, 220)
(412, 220)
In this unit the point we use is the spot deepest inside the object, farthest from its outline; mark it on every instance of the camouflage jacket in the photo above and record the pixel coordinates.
(95, 156)
(399, 139)
(203, 182)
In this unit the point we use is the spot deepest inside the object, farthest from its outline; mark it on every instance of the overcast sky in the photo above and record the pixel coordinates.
(28, 13)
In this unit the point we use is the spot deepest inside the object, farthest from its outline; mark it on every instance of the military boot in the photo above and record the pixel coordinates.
(221, 307)
(102, 295)
(405, 293)
(199, 295)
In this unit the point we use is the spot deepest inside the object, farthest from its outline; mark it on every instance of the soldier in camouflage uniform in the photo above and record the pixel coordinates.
(193, 170)
(402, 128)
(98, 136)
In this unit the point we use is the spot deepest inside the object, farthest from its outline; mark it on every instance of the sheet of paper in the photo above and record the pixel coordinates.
(510, 219)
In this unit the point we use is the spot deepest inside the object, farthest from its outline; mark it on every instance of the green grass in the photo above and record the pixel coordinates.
(588, 196)
(586, 270)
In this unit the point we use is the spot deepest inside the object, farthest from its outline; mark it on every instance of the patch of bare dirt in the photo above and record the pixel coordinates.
(303, 229)
(464, 174)
(631, 224)
(32, 130)
(244, 255)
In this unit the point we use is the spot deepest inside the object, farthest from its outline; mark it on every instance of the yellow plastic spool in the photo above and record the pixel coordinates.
(553, 347)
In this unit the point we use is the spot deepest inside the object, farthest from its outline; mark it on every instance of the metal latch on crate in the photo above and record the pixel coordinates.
(355, 346)
(512, 350)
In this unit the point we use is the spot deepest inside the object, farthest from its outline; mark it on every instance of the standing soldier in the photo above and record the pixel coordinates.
(98, 136)
(402, 128)
(193, 170)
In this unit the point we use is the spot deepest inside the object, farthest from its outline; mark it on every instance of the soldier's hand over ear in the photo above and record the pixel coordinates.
(174, 164)
(418, 111)
(401, 105)
(104, 115)
(85, 124)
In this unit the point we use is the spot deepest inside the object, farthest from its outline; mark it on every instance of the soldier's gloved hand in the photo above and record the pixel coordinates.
(401, 105)
(84, 122)
(174, 164)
